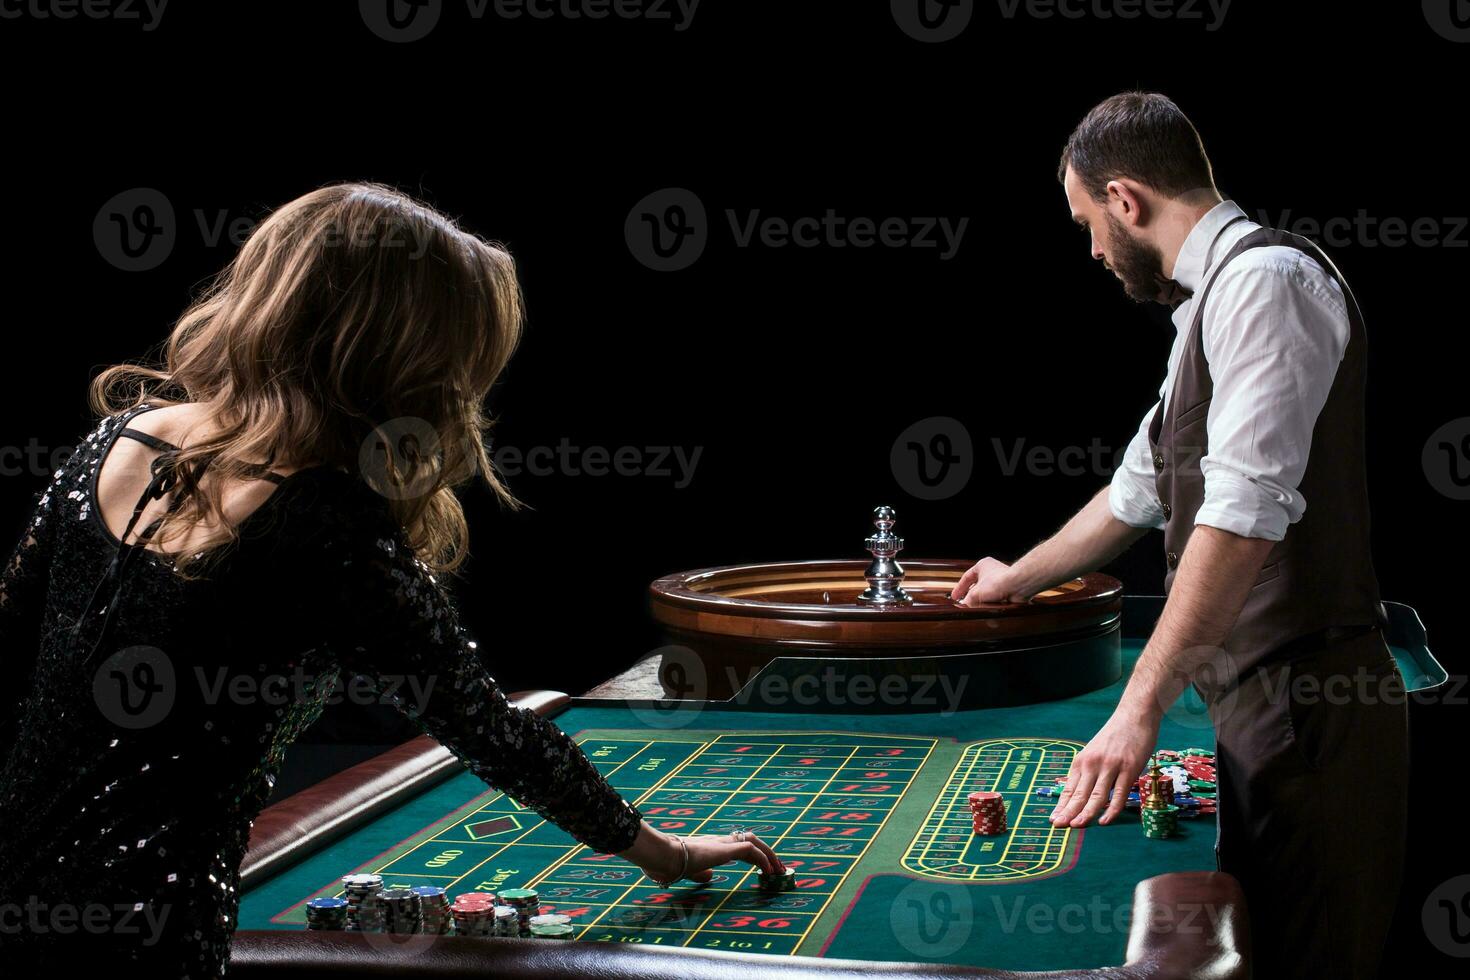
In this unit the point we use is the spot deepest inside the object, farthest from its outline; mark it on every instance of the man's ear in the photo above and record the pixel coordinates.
(1125, 201)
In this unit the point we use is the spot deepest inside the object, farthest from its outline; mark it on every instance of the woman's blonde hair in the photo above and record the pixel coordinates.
(357, 328)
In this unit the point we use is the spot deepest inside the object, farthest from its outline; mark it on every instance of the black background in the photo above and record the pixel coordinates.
(792, 370)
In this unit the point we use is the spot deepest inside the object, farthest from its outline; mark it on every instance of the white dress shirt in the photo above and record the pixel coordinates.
(1274, 332)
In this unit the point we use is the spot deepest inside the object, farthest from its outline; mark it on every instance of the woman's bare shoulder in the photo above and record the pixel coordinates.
(171, 423)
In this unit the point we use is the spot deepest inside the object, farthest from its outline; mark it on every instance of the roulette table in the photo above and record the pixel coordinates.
(869, 810)
(848, 750)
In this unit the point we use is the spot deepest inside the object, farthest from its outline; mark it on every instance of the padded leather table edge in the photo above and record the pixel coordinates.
(1187, 926)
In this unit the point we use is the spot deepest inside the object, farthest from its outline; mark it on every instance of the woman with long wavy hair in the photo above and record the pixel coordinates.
(273, 502)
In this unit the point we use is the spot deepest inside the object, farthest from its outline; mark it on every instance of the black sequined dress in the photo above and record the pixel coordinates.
(143, 715)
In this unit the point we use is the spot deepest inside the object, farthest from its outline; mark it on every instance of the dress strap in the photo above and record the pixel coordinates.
(164, 478)
(149, 440)
(168, 447)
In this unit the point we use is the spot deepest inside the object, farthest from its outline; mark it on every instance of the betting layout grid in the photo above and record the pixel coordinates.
(947, 847)
(819, 798)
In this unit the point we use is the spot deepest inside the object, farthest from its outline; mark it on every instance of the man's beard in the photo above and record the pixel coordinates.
(1139, 264)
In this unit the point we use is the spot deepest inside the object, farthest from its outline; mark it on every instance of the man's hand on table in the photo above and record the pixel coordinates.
(988, 580)
(1111, 762)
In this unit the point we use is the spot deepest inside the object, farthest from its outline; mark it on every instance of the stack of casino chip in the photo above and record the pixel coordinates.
(1208, 806)
(473, 914)
(551, 932)
(400, 910)
(989, 811)
(551, 925)
(433, 910)
(326, 914)
(526, 904)
(507, 921)
(1166, 787)
(364, 912)
(1160, 823)
(783, 882)
(1188, 807)
(1199, 768)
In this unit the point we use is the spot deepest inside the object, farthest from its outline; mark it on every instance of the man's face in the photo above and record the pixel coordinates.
(1138, 264)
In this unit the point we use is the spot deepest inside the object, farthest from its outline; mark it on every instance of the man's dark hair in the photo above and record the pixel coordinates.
(1141, 135)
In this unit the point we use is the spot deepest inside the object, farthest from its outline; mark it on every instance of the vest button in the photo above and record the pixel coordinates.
(1168, 512)
(1173, 559)
(1159, 462)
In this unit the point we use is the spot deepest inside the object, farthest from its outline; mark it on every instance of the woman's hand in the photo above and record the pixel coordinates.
(662, 857)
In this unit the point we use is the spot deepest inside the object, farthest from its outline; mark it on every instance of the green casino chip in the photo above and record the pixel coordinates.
(551, 931)
(518, 896)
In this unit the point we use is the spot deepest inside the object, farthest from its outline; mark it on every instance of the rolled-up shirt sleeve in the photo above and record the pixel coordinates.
(1133, 496)
(1274, 336)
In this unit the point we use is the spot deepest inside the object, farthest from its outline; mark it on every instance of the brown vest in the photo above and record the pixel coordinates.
(1319, 579)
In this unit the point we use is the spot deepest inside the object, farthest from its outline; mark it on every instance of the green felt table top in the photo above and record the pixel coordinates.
(893, 877)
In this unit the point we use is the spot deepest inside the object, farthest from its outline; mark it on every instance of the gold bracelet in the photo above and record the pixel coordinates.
(682, 871)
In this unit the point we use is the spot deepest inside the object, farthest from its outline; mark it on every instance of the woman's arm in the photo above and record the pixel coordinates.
(401, 629)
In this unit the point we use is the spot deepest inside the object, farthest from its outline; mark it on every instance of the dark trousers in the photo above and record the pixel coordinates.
(1312, 765)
